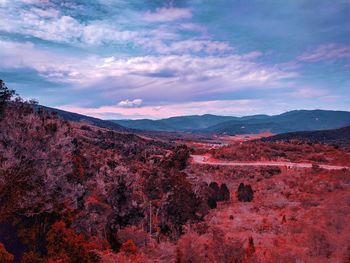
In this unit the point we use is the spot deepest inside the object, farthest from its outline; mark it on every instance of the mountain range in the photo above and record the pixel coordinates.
(298, 120)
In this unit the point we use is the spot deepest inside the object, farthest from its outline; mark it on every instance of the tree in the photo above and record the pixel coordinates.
(245, 193)
(182, 204)
(215, 187)
(179, 158)
(224, 193)
(5, 95)
(64, 244)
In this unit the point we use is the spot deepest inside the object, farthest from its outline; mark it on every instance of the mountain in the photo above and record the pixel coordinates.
(182, 123)
(144, 124)
(71, 116)
(299, 120)
(340, 137)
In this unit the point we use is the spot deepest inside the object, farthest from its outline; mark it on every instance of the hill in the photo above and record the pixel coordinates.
(76, 191)
(181, 123)
(340, 137)
(71, 116)
(300, 120)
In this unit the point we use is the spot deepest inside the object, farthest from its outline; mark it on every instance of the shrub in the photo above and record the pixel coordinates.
(227, 249)
(224, 193)
(270, 171)
(64, 244)
(179, 158)
(212, 202)
(193, 248)
(245, 193)
(32, 257)
(136, 235)
(215, 187)
(129, 247)
(319, 244)
(5, 256)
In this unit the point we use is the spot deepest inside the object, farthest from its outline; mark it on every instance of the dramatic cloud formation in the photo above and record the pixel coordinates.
(138, 59)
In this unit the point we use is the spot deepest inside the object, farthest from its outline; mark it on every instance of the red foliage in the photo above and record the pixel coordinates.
(65, 245)
(129, 247)
(32, 257)
(78, 169)
(5, 256)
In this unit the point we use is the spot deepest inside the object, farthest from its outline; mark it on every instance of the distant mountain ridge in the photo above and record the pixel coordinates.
(298, 120)
(181, 123)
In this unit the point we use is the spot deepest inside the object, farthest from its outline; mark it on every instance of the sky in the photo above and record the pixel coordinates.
(133, 59)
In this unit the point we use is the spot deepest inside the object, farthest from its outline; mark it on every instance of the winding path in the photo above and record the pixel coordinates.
(201, 159)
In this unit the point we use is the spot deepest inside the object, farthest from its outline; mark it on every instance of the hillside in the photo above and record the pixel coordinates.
(71, 116)
(302, 120)
(340, 137)
(76, 191)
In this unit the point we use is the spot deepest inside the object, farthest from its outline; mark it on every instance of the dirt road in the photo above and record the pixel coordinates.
(201, 159)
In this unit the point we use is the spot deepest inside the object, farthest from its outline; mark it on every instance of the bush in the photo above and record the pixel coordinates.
(129, 248)
(5, 256)
(64, 244)
(270, 171)
(179, 158)
(212, 202)
(224, 193)
(136, 235)
(245, 193)
(193, 248)
(319, 244)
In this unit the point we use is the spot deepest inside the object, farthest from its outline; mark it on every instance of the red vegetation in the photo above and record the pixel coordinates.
(283, 151)
(77, 193)
(5, 256)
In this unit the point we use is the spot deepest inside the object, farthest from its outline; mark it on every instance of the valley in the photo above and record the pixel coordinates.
(84, 191)
(174, 131)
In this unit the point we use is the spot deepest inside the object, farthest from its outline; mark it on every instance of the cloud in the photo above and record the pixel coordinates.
(190, 46)
(51, 24)
(163, 78)
(308, 92)
(331, 51)
(130, 103)
(222, 107)
(167, 14)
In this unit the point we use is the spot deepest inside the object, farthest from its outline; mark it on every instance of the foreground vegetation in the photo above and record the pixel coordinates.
(74, 192)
